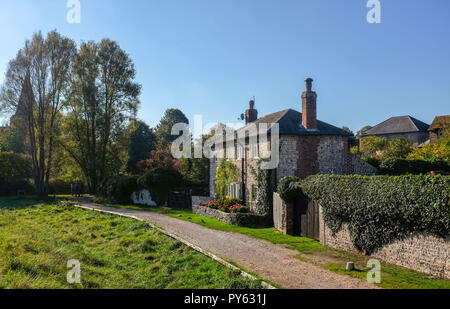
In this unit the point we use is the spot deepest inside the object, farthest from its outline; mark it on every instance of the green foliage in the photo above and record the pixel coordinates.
(118, 188)
(377, 150)
(364, 129)
(437, 151)
(289, 189)
(14, 166)
(265, 187)
(15, 171)
(382, 209)
(226, 174)
(397, 167)
(12, 139)
(164, 128)
(159, 181)
(142, 141)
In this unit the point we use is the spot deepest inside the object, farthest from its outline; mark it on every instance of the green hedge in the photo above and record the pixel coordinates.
(289, 189)
(118, 189)
(381, 209)
(404, 166)
(159, 181)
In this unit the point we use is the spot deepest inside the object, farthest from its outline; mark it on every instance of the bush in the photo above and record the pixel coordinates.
(404, 166)
(15, 170)
(118, 189)
(379, 210)
(289, 189)
(10, 188)
(159, 181)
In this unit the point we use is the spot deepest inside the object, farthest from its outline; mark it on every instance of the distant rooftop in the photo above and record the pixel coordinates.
(440, 122)
(395, 125)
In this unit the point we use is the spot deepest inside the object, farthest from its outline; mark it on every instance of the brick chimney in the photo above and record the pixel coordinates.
(251, 114)
(309, 107)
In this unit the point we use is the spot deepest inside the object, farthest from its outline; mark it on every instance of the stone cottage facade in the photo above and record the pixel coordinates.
(308, 146)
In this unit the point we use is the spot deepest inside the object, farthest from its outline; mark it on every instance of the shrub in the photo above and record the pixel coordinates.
(405, 166)
(382, 209)
(289, 189)
(159, 181)
(118, 189)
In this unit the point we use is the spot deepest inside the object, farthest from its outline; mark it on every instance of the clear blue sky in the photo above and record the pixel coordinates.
(210, 57)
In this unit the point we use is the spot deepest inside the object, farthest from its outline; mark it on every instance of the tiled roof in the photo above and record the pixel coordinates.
(403, 124)
(440, 122)
(290, 123)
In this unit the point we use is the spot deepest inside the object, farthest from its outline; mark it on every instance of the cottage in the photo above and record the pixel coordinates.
(308, 146)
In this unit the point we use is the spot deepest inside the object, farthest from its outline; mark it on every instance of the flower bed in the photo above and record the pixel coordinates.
(227, 205)
(232, 216)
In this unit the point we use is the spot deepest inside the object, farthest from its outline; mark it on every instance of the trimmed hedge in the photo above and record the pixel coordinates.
(381, 209)
(405, 166)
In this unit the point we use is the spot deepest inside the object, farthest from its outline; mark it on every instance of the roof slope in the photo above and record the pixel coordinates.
(440, 122)
(403, 124)
(290, 122)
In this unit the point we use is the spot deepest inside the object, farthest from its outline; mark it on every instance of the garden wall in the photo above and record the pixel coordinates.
(232, 218)
(420, 252)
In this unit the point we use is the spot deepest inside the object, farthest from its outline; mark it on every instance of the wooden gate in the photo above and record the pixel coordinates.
(310, 226)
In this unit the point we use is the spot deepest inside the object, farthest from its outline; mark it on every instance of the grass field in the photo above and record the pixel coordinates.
(311, 251)
(38, 238)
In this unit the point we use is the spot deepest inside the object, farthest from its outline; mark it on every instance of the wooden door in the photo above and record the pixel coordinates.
(310, 221)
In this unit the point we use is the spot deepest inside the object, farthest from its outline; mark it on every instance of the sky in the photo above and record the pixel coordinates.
(210, 57)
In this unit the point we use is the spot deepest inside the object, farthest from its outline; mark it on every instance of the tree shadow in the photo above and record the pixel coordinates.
(16, 202)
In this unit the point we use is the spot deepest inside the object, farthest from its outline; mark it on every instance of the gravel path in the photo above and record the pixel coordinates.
(271, 261)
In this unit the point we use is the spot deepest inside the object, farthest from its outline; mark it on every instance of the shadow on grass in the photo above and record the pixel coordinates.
(15, 202)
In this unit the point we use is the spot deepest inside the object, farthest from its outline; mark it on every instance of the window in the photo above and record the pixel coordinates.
(238, 153)
(254, 192)
(234, 190)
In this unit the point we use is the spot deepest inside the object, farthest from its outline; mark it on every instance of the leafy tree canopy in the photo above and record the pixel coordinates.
(164, 128)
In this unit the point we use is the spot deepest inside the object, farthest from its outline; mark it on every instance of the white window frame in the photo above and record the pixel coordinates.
(239, 152)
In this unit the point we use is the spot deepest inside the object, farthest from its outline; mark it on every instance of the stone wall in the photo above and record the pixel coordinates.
(198, 200)
(360, 167)
(421, 252)
(232, 218)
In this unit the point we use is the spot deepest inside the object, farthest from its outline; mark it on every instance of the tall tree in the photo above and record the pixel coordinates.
(142, 142)
(103, 100)
(36, 81)
(164, 128)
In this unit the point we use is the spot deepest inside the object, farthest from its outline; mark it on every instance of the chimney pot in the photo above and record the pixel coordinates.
(251, 114)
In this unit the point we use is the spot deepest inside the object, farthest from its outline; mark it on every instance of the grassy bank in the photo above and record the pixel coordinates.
(311, 251)
(37, 238)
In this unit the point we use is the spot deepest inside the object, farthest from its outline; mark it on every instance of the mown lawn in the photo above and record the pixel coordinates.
(311, 251)
(37, 239)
